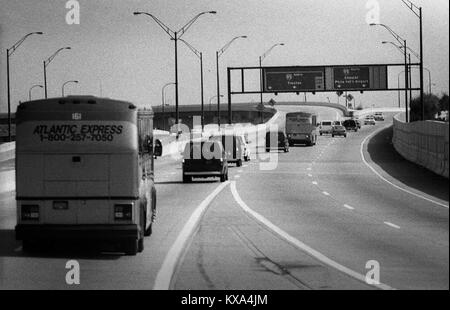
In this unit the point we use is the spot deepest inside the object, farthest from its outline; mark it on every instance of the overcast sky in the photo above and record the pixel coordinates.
(129, 57)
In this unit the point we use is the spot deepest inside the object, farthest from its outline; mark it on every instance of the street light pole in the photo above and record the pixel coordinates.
(406, 83)
(405, 48)
(163, 103)
(418, 12)
(47, 62)
(200, 56)
(62, 88)
(9, 52)
(398, 87)
(421, 65)
(410, 78)
(201, 91)
(32, 87)
(261, 58)
(218, 89)
(218, 54)
(175, 35)
(177, 112)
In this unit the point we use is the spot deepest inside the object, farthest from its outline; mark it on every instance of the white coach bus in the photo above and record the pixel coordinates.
(84, 171)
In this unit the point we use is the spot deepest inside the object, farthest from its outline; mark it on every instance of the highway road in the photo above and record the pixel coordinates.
(314, 222)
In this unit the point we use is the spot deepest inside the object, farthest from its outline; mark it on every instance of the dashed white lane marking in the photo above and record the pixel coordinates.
(175, 254)
(240, 171)
(245, 166)
(314, 183)
(237, 176)
(297, 243)
(309, 169)
(384, 179)
(310, 175)
(349, 207)
(392, 225)
(326, 193)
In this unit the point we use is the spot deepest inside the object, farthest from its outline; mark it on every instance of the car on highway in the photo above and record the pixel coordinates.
(350, 125)
(339, 130)
(204, 159)
(325, 127)
(359, 123)
(370, 120)
(277, 141)
(378, 116)
(233, 148)
(245, 147)
(337, 123)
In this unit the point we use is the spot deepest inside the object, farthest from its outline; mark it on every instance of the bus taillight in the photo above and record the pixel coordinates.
(123, 212)
(30, 212)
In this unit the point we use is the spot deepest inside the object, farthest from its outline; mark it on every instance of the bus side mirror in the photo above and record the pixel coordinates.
(148, 144)
(158, 148)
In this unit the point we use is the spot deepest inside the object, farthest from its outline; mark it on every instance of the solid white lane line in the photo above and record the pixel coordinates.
(389, 182)
(349, 207)
(300, 245)
(314, 183)
(173, 257)
(392, 225)
(326, 193)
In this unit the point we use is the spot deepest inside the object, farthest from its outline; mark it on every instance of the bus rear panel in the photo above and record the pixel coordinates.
(301, 128)
(81, 172)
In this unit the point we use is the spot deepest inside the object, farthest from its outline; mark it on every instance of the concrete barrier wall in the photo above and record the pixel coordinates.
(424, 143)
(7, 151)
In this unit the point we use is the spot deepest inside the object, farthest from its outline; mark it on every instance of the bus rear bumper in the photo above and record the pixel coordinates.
(77, 232)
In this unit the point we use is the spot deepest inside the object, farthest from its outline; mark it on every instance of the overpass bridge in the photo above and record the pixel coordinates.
(252, 113)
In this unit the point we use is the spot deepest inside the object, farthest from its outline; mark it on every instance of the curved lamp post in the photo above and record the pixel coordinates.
(218, 54)
(402, 42)
(62, 89)
(32, 87)
(175, 36)
(200, 57)
(9, 53)
(163, 103)
(261, 58)
(47, 62)
(418, 12)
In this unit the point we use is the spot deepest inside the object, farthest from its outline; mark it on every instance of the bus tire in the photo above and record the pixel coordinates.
(187, 179)
(130, 247)
(239, 163)
(141, 245)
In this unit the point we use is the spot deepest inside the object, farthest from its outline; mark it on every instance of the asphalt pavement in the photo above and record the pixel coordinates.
(316, 221)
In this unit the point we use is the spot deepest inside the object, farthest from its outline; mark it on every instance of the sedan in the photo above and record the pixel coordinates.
(339, 131)
(370, 121)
